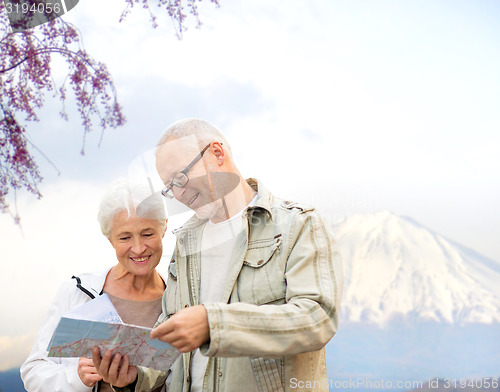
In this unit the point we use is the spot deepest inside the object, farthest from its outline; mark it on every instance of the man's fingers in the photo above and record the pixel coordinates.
(186, 330)
(162, 330)
(175, 339)
(184, 349)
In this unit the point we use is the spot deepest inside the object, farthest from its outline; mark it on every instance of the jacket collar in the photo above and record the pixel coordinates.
(92, 282)
(264, 199)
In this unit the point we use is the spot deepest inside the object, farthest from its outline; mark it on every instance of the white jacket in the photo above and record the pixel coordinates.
(43, 374)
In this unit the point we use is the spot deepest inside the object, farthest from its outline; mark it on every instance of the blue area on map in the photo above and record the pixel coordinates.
(71, 330)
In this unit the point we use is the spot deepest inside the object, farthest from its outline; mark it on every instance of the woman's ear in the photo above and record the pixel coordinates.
(165, 228)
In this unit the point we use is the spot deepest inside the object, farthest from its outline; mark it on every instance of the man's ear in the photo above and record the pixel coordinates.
(219, 152)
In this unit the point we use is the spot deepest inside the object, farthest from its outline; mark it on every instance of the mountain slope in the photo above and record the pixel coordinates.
(10, 381)
(395, 267)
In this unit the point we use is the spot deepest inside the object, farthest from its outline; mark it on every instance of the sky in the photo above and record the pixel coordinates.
(352, 106)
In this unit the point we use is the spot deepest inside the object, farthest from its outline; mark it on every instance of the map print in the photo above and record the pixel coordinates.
(76, 338)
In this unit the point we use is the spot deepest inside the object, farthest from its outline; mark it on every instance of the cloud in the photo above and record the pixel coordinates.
(15, 350)
(58, 236)
(222, 101)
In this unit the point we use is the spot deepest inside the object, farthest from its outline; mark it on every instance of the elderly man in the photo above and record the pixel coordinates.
(254, 286)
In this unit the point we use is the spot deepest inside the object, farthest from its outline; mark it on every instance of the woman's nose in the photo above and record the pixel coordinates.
(138, 246)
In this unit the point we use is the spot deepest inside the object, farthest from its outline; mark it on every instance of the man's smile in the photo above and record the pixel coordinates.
(193, 199)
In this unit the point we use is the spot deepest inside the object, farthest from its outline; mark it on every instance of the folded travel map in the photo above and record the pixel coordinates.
(75, 337)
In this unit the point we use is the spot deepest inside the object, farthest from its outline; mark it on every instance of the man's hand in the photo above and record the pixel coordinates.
(114, 370)
(186, 330)
(87, 372)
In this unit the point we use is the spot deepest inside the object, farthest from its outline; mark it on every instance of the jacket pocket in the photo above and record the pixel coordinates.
(268, 374)
(262, 278)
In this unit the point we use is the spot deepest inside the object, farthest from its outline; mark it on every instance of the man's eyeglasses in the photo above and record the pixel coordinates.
(181, 179)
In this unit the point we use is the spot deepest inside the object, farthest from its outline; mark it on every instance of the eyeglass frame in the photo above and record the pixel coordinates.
(165, 191)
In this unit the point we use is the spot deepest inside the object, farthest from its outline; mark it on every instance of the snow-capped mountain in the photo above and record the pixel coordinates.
(394, 267)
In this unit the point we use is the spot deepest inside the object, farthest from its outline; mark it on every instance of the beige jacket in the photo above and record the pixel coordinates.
(280, 304)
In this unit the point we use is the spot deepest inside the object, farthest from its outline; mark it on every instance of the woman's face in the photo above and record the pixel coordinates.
(137, 242)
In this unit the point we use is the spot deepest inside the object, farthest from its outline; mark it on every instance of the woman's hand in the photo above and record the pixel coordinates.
(87, 372)
(114, 370)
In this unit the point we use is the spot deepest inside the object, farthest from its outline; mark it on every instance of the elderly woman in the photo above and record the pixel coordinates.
(135, 227)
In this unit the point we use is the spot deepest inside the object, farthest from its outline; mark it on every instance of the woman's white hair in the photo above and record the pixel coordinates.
(134, 198)
(204, 132)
